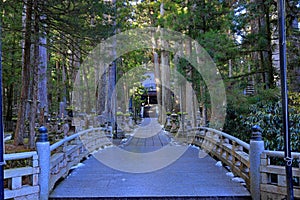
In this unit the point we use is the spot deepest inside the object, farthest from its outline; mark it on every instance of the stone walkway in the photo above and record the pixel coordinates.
(149, 166)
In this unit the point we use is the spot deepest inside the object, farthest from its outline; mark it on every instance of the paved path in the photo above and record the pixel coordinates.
(188, 177)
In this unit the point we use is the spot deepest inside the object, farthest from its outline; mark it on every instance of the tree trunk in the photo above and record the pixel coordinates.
(202, 94)
(261, 25)
(157, 75)
(268, 53)
(9, 97)
(20, 127)
(165, 76)
(33, 104)
(165, 81)
(62, 109)
(190, 107)
(112, 71)
(126, 95)
(42, 76)
(75, 60)
(34, 79)
(111, 94)
(101, 91)
(86, 92)
(10, 92)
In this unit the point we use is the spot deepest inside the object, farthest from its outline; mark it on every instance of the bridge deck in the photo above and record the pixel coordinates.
(189, 177)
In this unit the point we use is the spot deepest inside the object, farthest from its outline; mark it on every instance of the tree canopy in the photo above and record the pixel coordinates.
(45, 42)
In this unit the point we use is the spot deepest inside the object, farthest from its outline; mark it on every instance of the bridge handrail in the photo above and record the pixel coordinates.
(232, 138)
(230, 150)
(272, 183)
(65, 154)
(16, 188)
(19, 156)
(61, 162)
(71, 137)
(280, 154)
(273, 175)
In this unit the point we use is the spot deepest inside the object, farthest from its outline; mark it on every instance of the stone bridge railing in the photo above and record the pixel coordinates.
(15, 186)
(264, 179)
(44, 167)
(273, 176)
(226, 148)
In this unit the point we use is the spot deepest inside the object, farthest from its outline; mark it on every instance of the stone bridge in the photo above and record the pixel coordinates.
(45, 168)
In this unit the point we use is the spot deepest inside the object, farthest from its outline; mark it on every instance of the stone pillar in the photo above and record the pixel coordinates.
(62, 109)
(168, 124)
(43, 151)
(256, 149)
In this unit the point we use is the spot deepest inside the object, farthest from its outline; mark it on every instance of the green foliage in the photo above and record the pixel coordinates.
(11, 36)
(136, 94)
(263, 110)
(219, 46)
(294, 101)
(119, 113)
(268, 116)
(73, 28)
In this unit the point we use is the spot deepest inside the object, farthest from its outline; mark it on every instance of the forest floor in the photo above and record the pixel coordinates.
(10, 147)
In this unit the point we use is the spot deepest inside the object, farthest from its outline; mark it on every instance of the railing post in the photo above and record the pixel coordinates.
(256, 149)
(43, 150)
(233, 148)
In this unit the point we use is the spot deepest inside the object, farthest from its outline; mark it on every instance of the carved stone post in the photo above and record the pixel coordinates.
(256, 149)
(43, 150)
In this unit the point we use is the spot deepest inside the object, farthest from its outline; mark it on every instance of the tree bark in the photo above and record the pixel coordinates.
(202, 94)
(42, 76)
(268, 56)
(112, 71)
(101, 91)
(20, 127)
(190, 107)
(165, 81)
(87, 94)
(157, 75)
(261, 25)
(34, 79)
(111, 94)
(165, 75)
(10, 92)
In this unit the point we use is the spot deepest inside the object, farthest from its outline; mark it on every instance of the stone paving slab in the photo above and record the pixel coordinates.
(189, 177)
